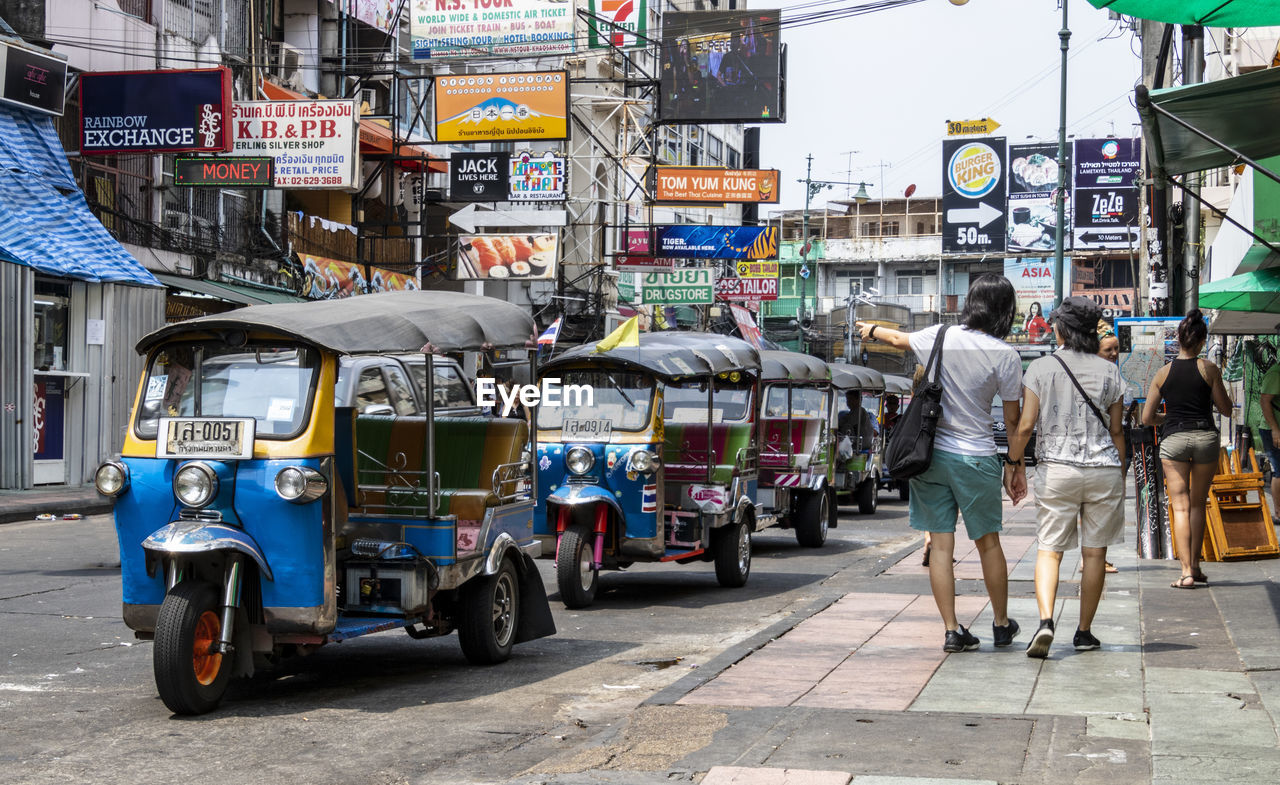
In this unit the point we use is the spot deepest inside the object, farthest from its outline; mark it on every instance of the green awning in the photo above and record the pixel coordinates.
(1214, 13)
(1256, 292)
(234, 293)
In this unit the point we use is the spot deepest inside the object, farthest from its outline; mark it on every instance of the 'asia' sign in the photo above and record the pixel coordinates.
(715, 185)
(1032, 279)
(224, 172)
(747, 289)
(688, 286)
(502, 107)
(155, 111)
(478, 177)
(620, 24)
(691, 241)
(475, 28)
(313, 142)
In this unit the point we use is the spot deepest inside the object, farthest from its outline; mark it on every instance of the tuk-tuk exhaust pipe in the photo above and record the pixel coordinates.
(230, 602)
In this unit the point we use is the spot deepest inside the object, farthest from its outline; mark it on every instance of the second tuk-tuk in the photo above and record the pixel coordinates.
(257, 520)
(897, 394)
(660, 465)
(859, 437)
(796, 446)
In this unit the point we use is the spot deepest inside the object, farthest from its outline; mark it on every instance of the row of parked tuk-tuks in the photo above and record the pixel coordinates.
(268, 502)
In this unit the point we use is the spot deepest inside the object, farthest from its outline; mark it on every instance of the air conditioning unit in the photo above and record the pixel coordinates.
(289, 64)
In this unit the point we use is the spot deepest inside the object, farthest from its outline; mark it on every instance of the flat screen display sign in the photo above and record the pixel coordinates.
(722, 67)
(224, 172)
(504, 107)
(973, 195)
(690, 241)
(442, 29)
(1106, 198)
(155, 111)
(33, 80)
(715, 185)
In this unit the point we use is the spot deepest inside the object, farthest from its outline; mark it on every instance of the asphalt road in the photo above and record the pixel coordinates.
(78, 703)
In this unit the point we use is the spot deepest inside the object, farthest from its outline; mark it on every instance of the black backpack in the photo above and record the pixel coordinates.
(910, 450)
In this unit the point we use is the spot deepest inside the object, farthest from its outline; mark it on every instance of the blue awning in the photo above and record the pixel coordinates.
(45, 222)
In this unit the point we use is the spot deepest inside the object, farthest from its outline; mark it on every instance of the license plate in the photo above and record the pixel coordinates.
(201, 437)
(588, 430)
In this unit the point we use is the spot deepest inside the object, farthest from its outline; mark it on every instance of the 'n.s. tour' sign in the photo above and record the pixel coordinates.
(155, 111)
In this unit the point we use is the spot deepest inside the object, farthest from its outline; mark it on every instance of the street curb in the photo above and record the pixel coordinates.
(27, 511)
(686, 684)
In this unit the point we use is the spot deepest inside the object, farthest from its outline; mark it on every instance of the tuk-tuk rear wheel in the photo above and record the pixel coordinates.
(731, 546)
(813, 516)
(867, 493)
(191, 675)
(576, 575)
(490, 616)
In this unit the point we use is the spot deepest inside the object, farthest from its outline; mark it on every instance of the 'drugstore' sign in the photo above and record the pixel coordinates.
(155, 111)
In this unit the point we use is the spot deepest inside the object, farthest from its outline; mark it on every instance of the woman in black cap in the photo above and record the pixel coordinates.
(1190, 388)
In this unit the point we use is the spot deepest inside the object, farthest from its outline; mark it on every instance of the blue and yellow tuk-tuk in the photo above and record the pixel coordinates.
(796, 446)
(257, 520)
(659, 466)
(859, 437)
(897, 394)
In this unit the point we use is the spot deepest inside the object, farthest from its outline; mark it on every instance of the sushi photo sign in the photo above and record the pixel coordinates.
(500, 257)
(505, 107)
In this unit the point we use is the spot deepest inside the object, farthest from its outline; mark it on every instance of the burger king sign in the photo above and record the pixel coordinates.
(974, 170)
(973, 197)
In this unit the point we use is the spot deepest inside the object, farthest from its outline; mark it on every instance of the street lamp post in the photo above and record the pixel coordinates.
(1064, 37)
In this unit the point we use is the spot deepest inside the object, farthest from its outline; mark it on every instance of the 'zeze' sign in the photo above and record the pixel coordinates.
(155, 111)
(224, 172)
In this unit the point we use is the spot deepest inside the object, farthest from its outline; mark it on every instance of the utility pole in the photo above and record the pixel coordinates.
(812, 188)
(1064, 38)
(1192, 72)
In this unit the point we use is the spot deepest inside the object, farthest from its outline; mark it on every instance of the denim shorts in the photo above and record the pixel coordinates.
(967, 485)
(1190, 447)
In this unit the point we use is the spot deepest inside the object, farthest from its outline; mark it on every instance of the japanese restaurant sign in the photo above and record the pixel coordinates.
(715, 185)
(313, 142)
(502, 107)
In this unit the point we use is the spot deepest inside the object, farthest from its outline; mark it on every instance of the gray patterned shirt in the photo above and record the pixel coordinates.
(1067, 431)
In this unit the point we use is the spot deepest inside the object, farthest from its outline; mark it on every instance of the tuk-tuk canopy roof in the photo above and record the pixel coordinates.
(856, 377)
(780, 364)
(898, 385)
(375, 323)
(671, 355)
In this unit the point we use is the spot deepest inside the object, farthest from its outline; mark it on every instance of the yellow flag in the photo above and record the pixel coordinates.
(627, 334)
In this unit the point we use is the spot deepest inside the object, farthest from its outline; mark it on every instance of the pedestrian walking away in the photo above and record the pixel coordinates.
(1270, 401)
(1190, 387)
(1109, 350)
(1079, 480)
(965, 477)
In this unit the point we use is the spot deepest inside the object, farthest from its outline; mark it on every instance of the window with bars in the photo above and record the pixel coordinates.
(910, 282)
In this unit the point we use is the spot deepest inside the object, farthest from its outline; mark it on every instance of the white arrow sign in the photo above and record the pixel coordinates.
(469, 217)
(981, 215)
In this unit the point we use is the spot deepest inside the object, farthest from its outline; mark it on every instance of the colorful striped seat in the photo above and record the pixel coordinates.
(685, 450)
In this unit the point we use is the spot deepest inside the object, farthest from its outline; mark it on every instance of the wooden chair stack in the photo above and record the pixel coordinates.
(1238, 524)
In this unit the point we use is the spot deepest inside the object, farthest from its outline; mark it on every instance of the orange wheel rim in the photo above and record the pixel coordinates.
(203, 659)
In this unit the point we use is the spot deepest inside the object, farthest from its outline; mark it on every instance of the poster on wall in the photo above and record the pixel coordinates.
(1032, 279)
(506, 256)
(442, 29)
(331, 279)
(617, 24)
(48, 417)
(691, 241)
(973, 195)
(722, 66)
(502, 107)
(1106, 193)
(1033, 212)
(155, 111)
(313, 143)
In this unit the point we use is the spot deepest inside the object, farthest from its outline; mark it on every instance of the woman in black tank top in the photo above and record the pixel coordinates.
(1190, 388)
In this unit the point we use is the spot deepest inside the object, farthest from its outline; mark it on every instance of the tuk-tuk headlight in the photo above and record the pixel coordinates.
(579, 460)
(300, 484)
(195, 484)
(111, 478)
(643, 461)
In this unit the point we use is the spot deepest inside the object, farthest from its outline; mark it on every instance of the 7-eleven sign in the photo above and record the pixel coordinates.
(621, 24)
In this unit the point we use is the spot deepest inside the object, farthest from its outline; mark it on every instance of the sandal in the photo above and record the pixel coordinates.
(925, 561)
(1185, 582)
(1110, 567)
(1200, 577)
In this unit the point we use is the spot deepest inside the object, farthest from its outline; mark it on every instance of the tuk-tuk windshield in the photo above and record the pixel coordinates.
(806, 402)
(687, 402)
(271, 383)
(621, 397)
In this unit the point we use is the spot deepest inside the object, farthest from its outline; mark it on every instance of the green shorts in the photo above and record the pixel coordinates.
(969, 485)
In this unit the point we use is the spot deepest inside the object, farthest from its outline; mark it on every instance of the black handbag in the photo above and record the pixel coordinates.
(910, 450)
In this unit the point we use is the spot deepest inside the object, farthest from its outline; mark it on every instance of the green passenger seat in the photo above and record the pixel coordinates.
(685, 453)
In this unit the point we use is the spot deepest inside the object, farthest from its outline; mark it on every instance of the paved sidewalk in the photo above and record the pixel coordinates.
(56, 500)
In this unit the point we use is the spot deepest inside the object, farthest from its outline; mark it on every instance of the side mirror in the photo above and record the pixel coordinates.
(378, 408)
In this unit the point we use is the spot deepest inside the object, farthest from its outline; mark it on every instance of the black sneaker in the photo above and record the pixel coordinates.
(1084, 641)
(1042, 640)
(1003, 636)
(960, 639)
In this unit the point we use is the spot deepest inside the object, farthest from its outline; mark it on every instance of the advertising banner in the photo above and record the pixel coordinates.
(747, 326)
(690, 241)
(502, 107)
(715, 184)
(1106, 194)
(313, 142)
(747, 289)
(721, 67)
(378, 14)
(33, 80)
(758, 269)
(224, 172)
(538, 178)
(504, 256)
(1032, 280)
(475, 28)
(638, 239)
(617, 24)
(687, 286)
(643, 264)
(1033, 183)
(155, 111)
(1113, 302)
(330, 279)
(479, 177)
(49, 418)
(973, 195)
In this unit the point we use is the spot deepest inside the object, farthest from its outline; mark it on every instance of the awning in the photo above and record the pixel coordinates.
(46, 223)
(375, 138)
(1213, 13)
(234, 293)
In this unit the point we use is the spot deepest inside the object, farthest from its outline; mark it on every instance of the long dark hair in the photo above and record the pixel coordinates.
(1086, 341)
(1192, 330)
(990, 305)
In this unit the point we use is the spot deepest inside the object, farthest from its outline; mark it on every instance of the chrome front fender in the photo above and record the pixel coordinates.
(573, 495)
(204, 537)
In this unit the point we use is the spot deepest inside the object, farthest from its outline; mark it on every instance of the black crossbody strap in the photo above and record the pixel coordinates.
(934, 363)
(1083, 394)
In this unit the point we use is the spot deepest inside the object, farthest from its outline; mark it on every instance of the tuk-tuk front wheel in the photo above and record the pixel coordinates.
(576, 575)
(490, 616)
(731, 547)
(813, 516)
(191, 674)
(867, 496)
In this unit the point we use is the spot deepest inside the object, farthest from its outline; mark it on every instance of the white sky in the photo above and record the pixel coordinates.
(885, 84)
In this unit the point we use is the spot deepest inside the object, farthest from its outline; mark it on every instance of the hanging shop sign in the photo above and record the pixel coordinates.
(502, 107)
(224, 172)
(33, 80)
(505, 256)
(758, 269)
(687, 286)
(973, 195)
(479, 177)
(714, 184)
(442, 29)
(617, 24)
(538, 177)
(1033, 212)
(329, 279)
(155, 111)
(1106, 198)
(691, 241)
(642, 263)
(722, 67)
(313, 142)
(747, 289)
